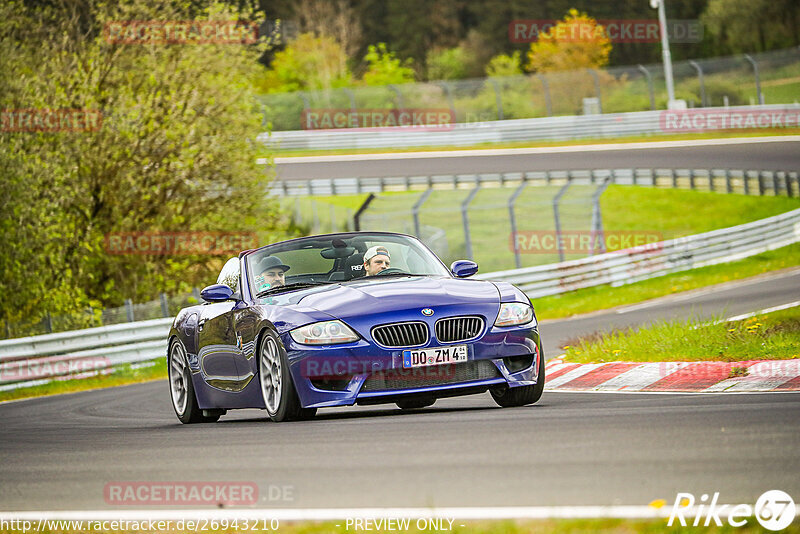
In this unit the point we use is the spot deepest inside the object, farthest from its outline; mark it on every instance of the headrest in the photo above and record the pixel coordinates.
(354, 266)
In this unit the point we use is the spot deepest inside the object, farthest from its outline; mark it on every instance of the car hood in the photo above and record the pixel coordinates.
(365, 303)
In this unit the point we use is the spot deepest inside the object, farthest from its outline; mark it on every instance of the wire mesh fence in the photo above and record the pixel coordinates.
(769, 77)
(482, 223)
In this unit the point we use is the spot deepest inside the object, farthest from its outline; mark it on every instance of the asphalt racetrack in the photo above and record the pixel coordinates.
(753, 154)
(58, 453)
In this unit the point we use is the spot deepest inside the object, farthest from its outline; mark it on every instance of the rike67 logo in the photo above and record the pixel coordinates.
(774, 510)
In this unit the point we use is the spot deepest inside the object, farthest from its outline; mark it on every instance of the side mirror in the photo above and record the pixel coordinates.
(216, 293)
(463, 268)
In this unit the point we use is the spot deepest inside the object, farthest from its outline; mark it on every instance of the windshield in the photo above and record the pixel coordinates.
(340, 258)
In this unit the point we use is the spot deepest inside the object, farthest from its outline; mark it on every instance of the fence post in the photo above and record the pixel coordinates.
(597, 216)
(314, 217)
(711, 181)
(465, 219)
(352, 96)
(48, 323)
(674, 178)
(596, 79)
(759, 94)
(649, 77)
(398, 100)
(760, 183)
(129, 309)
(699, 69)
(415, 210)
(498, 99)
(512, 218)
(746, 180)
(728, 185)
(361, 209)
(557, 219)
(446, 87)
(691, 179)
(164, 305)
(787, 182)
(775, 183)
(306, 103)
(547, 102)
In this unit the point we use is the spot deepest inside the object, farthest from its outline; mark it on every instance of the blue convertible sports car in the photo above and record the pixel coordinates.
(350, 318)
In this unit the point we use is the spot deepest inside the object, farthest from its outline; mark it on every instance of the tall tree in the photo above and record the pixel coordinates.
(176, 151)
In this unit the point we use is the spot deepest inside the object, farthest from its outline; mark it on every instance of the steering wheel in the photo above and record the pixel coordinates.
(391, 270)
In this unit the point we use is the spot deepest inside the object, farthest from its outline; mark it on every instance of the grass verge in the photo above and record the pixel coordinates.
(123, 375)
(723, 134)
(605, 297)
(772, 336)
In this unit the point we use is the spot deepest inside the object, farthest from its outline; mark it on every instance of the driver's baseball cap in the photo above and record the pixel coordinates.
(271, 262)
(377, 250)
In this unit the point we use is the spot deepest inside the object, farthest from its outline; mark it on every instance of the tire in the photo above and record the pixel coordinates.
(414, 404)
(509, 397)
(277, 388)
(181, 389)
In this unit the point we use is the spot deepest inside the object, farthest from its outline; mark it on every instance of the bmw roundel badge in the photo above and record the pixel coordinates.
(427, 312)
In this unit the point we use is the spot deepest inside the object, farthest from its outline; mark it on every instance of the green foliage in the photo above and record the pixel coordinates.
(716, 89)
(447, 63)
(176, 152)
(753, 25)
(384, 68)
(505, 65)
(308, 63)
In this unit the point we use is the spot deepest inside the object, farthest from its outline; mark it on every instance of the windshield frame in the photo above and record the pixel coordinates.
(281, 245)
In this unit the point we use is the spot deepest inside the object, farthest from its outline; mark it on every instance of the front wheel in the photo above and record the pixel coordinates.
(520, 396)
(181, 388)
(277, 389)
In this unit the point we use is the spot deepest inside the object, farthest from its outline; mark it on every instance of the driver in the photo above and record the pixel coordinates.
(376, 259)
(272, 274)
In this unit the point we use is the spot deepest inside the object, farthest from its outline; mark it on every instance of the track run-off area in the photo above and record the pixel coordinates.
(569, 449)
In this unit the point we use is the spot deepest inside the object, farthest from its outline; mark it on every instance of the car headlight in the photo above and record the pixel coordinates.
(514, 313)
(324, 333)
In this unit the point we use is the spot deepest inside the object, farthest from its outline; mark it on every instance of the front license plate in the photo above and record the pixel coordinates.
(437, 356)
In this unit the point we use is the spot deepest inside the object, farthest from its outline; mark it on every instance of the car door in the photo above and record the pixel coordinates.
(219, 345)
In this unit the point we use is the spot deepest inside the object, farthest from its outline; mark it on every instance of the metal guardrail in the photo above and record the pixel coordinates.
(31, 360)
(545, 128)
(39, 359)
(723, 180)
(656, 259)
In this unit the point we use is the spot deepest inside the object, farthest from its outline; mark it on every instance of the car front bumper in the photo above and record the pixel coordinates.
(366, 373)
